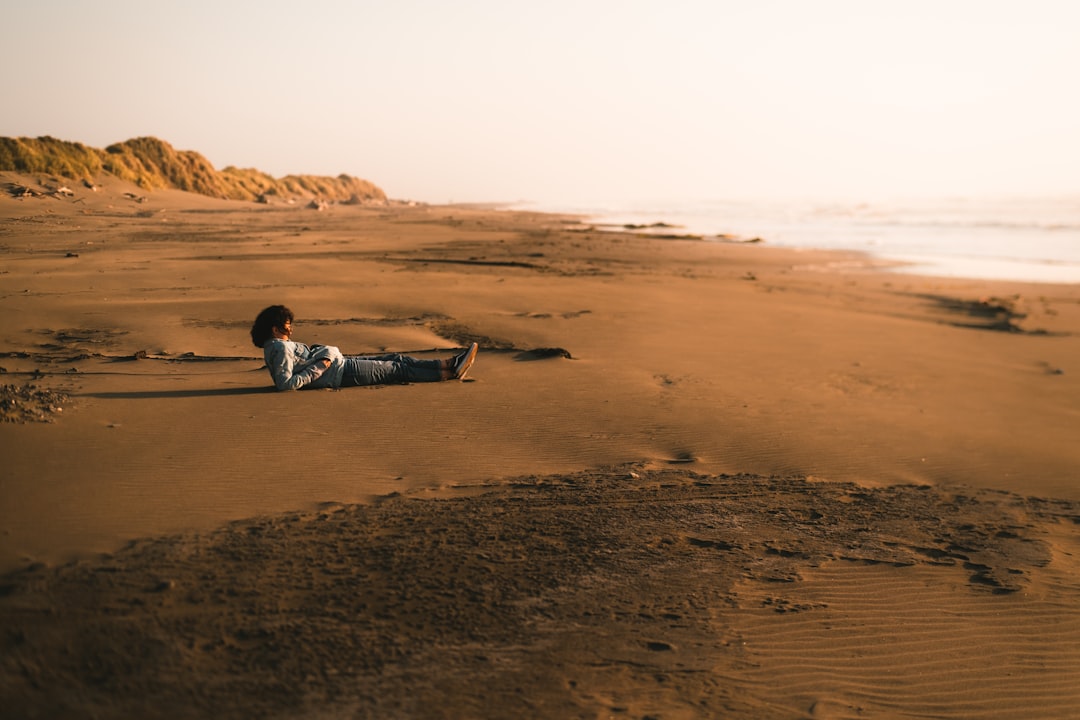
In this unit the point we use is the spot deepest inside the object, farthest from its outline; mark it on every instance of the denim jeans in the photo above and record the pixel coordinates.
(389, 369)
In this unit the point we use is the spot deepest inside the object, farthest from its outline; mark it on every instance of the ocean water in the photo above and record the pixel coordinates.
(1024, 239)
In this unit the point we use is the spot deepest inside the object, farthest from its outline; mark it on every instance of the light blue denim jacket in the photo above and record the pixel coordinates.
(294, 365)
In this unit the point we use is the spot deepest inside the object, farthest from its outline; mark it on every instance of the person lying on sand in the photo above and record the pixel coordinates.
(295, 365)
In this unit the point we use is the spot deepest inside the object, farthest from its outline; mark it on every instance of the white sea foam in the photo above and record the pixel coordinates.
(1028, 239)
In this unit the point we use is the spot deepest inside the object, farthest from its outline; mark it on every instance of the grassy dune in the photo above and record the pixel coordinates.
(154, 164)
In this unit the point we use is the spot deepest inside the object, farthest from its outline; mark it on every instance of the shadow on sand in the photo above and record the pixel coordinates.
(173, 394)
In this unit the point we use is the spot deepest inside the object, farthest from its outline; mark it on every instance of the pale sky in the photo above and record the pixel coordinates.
(577, 102)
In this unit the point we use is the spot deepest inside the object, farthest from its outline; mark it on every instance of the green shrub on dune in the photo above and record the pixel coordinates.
(49, 155)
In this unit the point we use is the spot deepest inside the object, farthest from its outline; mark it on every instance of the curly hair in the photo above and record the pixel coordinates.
(272, 317)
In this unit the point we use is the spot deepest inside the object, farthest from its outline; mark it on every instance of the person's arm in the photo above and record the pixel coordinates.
(284, 370)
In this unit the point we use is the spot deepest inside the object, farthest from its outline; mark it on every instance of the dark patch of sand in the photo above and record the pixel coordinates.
(613, 592)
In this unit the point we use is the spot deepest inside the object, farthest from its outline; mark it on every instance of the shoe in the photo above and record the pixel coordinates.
(465, 361)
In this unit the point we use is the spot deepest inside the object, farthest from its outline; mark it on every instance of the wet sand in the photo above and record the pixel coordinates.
(684, 479)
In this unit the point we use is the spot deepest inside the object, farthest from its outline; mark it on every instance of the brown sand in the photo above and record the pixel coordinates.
(763, 484)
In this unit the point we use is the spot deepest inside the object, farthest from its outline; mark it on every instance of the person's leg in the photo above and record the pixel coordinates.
(406, 360)
(397, 368)
(387, 357)
(368, 371)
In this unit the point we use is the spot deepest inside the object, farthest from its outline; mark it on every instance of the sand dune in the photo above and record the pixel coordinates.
(153, 164)
(685, 479)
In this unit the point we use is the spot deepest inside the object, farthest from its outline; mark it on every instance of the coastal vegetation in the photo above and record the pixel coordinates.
(154, 164)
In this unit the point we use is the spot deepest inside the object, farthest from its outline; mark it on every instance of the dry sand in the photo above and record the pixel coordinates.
(686, 479)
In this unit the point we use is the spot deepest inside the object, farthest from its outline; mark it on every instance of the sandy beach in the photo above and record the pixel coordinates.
(684, 479)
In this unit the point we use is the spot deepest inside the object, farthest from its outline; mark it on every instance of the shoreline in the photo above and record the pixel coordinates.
(772, 224)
